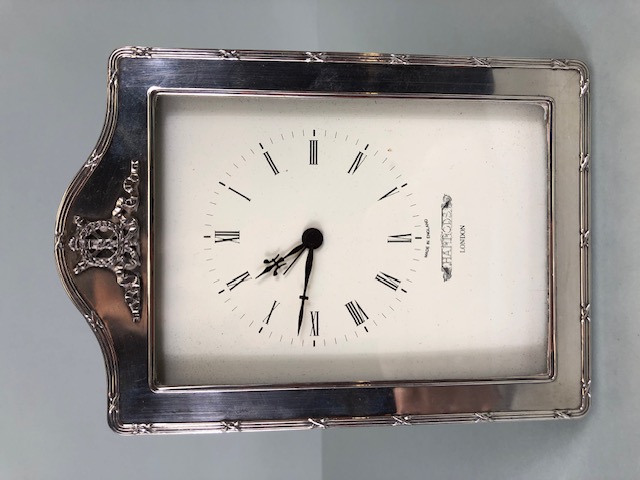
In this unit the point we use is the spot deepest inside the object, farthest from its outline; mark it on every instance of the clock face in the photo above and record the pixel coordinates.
(316, 239)
(323, 198)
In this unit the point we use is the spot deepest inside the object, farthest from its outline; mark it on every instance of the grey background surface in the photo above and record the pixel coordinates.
(52, 99)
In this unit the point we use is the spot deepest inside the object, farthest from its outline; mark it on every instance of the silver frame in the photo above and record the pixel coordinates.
(104, 232)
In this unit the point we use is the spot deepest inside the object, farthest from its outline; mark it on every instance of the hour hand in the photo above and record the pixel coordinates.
(274, 264)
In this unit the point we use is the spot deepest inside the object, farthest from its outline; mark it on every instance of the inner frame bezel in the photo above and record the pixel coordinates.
(545, 102)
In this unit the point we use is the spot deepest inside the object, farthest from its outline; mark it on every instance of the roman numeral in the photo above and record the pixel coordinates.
(227, 236)
(273, 307)
(388, 281)
(238, 280)
(313, 152)
(402, 238)
(356, 312)
(274, 169)
(357, 162)
(315, 323)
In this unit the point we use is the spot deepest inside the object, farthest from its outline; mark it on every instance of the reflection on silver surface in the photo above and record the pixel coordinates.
(452, 399)
(135, 407)
(114, 243)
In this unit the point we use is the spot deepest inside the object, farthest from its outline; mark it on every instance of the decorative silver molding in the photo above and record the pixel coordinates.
(94, 321)
(58, 241)
(231, 426)
(584, 239)
(114, 244)
(483, 417)
(315, 57)
(319, 423)
(585, 313)
(584, 162)
(481, 62)
(229, 54)
(557, 63)
(141, 51)
(342, 57)
(585, 229)
(584, 86)
(398, 59)
(586, 389)
(386, 420)
(142, 428)
(401, 420)
(114, 401)
(93, 161)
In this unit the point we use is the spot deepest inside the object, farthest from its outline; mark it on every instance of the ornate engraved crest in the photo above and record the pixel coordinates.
(114, 243)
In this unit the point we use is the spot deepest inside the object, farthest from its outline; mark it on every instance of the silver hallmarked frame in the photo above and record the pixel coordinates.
(104, 248)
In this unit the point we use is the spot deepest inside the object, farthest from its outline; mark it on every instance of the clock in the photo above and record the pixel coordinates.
(293, 240)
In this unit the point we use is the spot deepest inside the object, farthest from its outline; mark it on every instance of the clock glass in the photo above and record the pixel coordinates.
(304, 239)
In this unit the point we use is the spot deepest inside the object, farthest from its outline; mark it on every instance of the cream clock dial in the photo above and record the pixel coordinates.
(303, 229)
(317, 240)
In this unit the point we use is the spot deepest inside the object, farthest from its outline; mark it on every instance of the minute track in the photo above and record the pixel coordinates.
(301, 293)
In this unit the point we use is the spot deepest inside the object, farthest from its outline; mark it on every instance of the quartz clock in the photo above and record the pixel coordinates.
(266, 240)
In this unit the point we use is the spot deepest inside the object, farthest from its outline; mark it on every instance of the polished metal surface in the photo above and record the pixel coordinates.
(103, 241)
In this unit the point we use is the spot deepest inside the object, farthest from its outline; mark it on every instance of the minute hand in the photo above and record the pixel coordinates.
(303, 297)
